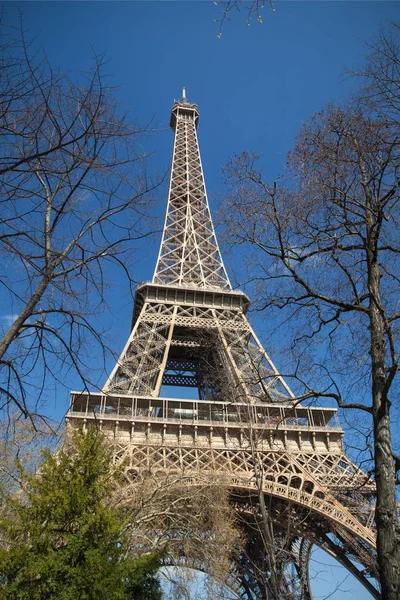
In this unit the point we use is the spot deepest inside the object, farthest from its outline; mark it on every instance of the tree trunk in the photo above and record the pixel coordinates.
(388, 526)
(29, 307)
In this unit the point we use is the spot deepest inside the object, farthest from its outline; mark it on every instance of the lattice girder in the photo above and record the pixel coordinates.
(284, 477)
(306, 529)
(313, 519)
(250, 372)
(189, 253)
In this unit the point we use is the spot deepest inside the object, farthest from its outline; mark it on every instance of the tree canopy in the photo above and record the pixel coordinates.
(61, 538)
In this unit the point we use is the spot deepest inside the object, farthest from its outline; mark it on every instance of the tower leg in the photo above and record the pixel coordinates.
(285, 579)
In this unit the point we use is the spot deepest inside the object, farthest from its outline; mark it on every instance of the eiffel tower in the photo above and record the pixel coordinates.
(239, 418)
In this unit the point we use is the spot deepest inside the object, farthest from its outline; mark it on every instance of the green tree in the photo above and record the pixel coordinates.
(62, 538)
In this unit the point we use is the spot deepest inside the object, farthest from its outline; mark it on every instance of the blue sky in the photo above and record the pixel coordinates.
(254, 86)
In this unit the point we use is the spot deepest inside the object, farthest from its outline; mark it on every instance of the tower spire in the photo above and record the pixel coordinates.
(189, 254)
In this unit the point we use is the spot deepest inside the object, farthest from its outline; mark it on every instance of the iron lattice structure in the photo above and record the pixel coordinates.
(190, 330)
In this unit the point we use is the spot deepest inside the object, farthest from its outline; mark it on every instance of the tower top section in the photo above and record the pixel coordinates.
(184, 109)
(189, 254)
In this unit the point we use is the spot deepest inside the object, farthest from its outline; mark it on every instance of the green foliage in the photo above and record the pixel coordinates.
(61, 539)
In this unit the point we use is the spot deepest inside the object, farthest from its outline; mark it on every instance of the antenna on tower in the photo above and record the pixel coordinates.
(183, 94)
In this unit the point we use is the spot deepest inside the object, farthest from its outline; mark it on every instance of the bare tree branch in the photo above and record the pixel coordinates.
(73, 197)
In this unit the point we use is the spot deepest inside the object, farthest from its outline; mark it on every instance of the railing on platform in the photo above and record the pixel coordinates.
(272, 416)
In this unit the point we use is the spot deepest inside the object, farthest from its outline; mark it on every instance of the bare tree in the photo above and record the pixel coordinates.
(253, 10)
(21, 444)
(380, 75)
(190, 516)
(73, 189)
(325, 251)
